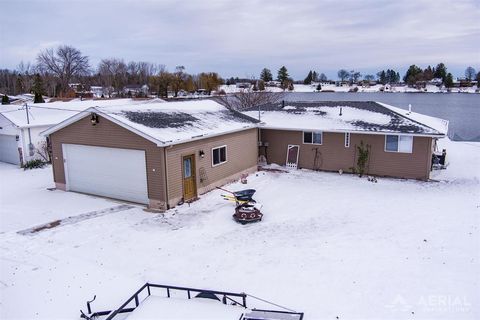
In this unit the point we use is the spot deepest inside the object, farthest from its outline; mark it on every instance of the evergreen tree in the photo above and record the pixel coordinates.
(5, 99)
(37, 89)
(282, 76)
(314, 76)
(309, 78)
(38, 98)
(319, 87)
(382, 77)
(441, 72)
(413, 75)
(266, 75)
(448, 81)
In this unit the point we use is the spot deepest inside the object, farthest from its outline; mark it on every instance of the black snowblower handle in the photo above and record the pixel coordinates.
(226, 190)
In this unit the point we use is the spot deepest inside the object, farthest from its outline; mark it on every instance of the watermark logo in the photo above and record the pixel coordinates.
(431, 303)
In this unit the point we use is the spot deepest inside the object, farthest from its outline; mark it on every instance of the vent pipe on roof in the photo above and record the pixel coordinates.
(409, 108)
(283, 103)
(340, 114)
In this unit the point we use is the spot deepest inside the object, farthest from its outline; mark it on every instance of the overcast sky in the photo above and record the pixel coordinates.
(240, 37)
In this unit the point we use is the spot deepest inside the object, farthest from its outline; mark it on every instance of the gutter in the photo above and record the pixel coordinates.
(356, 131)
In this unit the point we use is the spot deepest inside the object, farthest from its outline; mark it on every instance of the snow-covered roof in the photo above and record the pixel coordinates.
(172, 122)
(49, 114)
(347, 116)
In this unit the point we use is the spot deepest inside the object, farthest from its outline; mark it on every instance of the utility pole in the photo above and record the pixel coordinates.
(30, 145)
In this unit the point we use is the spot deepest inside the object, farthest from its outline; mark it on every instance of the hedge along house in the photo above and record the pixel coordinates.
(155, 154)
(327, 136)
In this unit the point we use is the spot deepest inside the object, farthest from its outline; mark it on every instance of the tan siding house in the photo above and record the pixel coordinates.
(332, 155)
(176, 171)
(326, 135)
(164, 154)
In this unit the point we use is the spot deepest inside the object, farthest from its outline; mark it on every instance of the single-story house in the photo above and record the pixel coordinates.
(136, 89)
(327, 136)
(159, 154)
(20, 128)
(20, 131)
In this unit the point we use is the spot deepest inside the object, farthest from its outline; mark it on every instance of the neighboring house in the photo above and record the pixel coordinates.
(20, 137)
(325, 136)
(155, 154)
(243, 85)
(136, 89)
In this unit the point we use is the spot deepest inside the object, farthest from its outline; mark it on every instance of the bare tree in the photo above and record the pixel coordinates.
(343, 74)
(113, 74)
(64, 63)
(247, 98)
(470, 73)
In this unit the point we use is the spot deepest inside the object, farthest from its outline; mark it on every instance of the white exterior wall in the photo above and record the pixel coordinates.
(37, 140)
(8, 128)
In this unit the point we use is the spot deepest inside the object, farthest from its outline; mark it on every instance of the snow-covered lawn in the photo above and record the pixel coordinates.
(329, 245)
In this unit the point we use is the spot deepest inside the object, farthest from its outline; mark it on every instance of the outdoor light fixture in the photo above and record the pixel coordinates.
(201, 153)
(17, 138)
(94, 119)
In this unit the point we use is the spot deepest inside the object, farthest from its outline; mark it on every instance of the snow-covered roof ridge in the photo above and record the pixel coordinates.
(51, 113)
(171, 122)
(346, 116)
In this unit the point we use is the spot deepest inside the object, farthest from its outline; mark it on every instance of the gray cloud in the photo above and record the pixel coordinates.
(241, 37)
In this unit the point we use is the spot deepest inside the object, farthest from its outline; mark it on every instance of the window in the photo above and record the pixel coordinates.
(399, 143)
(347, 140)
(312, 137)
(219, 155)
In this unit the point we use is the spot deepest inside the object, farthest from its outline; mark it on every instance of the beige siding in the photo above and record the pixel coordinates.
(332, 155)
(109, 134)
(242, 153)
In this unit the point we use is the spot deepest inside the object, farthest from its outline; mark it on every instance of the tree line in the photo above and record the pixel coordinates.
(57, 68)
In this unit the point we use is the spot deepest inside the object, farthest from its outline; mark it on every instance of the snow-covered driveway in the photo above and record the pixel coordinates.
(330, 245)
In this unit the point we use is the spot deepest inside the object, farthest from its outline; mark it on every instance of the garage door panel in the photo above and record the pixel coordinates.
(9, 149)
(110, 172)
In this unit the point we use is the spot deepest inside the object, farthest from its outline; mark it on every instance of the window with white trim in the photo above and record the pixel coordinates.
(312, 137)
(347, 139)
(219, 155)
(394, 143)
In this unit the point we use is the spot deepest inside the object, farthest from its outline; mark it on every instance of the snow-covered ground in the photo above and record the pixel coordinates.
(373, 88)
(329, 245)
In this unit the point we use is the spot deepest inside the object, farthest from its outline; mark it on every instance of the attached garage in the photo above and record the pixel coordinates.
(109, 172)
(9, 149)
(159, 154)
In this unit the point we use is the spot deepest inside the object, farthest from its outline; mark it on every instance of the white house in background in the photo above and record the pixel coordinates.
(135, 89)
(20, 138)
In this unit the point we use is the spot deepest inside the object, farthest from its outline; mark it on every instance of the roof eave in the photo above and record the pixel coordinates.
(433, 135)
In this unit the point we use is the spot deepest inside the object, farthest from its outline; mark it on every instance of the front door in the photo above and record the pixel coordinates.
(189, 183)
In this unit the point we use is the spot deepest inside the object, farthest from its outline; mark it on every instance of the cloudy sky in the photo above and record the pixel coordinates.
(240, 37)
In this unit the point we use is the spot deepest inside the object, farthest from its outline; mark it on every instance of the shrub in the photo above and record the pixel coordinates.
(5, 99)
(34, 164)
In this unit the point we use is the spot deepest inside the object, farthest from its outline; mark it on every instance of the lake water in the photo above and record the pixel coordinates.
(462, 110)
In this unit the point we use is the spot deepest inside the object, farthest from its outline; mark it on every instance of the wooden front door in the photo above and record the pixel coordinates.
(189, 180)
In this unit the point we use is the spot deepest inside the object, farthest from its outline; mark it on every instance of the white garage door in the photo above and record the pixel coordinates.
(9, 149)
(110, 172)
